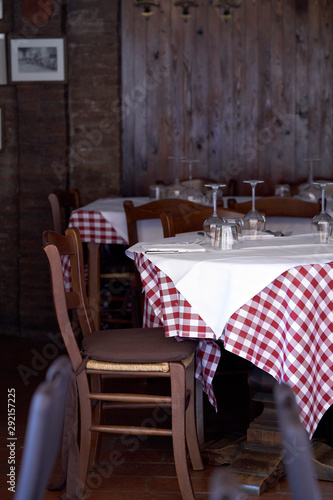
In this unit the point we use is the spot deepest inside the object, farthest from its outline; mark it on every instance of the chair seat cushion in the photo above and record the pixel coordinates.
(136, 345)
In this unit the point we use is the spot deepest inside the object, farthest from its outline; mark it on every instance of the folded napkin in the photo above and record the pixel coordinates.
(173, 248)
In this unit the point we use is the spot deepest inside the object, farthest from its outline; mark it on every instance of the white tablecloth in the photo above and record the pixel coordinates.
(229, 279)
(112, 210)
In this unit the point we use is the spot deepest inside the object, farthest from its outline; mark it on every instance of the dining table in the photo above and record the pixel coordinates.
(268, 300)
(103, 221)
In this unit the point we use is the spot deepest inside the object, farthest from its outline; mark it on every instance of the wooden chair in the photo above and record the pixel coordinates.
(153, 210)
(278, 206)
(126, 353)
(63, 202)
(112, 267)
(44, 430)
(296, 445)
(192, 221)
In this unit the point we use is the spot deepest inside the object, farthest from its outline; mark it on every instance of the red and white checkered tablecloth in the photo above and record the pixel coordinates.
(286, 330)
(93, 228)
(164, 305)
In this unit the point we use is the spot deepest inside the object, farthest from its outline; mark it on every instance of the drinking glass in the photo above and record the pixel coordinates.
(190, 193)
(253, 222)
(210, 224)
(175, 190)
(309, 191)
(322, 222)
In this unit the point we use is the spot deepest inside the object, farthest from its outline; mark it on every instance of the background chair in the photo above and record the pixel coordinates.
(192, 221)
(296, 445)
(130, 353)
(115, 303)
(44, 430)
(278, 206)
(153, 210)
(63, 202)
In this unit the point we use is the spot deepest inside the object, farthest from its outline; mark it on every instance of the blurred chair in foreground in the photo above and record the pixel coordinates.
(122, 354)
(44, 430)
(224, 486)
(296, 445)
(278, 206)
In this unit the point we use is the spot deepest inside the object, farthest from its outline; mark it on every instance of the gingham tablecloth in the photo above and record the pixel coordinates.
(286, 330)
(93, 228)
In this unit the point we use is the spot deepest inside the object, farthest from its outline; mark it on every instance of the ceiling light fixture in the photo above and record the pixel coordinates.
(146, 4)
(186, 4)
(226, 6)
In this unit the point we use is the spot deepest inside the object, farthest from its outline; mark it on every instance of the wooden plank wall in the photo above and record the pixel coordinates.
(250, 97)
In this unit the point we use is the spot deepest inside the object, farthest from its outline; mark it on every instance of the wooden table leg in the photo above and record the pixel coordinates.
(94, 282)
(258, 466)
(256, 461)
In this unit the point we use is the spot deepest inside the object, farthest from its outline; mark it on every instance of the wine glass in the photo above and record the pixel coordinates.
(175, 190)
(322, 222)
(210, 224)
(190, 193)
(253, 222)
(309, 191)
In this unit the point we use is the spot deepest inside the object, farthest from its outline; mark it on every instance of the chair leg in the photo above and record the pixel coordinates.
(191, 428)
(199, 412)
(178, 379)
(85, 434)
(97, 418)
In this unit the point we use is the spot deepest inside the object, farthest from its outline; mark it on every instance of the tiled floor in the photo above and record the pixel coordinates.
(132, 468)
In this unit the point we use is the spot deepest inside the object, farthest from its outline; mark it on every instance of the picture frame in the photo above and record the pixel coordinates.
(2, 135)
(3, 60)
(37, 60)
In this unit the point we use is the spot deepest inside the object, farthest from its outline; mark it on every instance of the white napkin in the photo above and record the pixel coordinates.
(173, 248)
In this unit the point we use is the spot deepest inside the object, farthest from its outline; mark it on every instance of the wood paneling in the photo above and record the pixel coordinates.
(250, 97)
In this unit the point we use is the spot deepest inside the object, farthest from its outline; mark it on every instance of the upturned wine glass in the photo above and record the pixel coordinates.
(253, 222)
(190, 193)
(309, 191)
(214, 220)
(176, 189)
(322, 222)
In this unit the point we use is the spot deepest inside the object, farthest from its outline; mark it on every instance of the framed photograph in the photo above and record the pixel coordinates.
(37, 60)
(3, 60)
(1, 129)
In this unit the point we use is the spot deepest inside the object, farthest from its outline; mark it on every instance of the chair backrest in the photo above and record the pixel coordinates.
(55, 245)
(296, 446)
(153, 210)
(44, 430)
(62, 203)
(278, 206)
(192, 221)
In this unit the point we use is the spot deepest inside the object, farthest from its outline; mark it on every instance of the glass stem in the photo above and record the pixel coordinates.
(323, 199)
(253, 198)
(310, 181)
(190, 174)
(215, 201)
